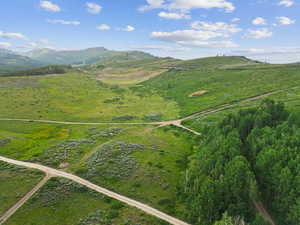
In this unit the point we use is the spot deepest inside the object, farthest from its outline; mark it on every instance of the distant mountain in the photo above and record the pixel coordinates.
(11, 61)
(86, 56)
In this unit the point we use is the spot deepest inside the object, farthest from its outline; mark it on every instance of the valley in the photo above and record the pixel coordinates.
(128, 141)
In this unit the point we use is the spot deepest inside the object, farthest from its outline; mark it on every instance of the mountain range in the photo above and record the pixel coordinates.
(12, 61)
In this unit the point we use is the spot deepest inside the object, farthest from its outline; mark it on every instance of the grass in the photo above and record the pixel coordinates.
(10, 189)
(291, 99)
(75, 97)
(63, 202)
(137, 161)
(153, 179)
(222, 84)
(132, 72)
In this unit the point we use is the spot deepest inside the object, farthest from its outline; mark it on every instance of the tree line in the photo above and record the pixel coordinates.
(251, 157)
(53, 69)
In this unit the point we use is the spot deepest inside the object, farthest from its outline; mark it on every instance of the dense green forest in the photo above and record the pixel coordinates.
(55, 69)
(249, 158)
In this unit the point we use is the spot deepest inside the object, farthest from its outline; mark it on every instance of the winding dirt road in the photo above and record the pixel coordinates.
(53, 172)
(57, 173)
(20, 203)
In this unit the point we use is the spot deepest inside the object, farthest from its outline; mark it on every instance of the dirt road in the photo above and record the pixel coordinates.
(260, 208)
(141, 206)
(53, 172)
(177, 122)
(20, 203)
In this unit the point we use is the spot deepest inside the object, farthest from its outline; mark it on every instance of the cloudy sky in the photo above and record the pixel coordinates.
(261, 29)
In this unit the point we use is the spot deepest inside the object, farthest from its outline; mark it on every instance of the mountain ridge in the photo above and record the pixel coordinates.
(82, 56)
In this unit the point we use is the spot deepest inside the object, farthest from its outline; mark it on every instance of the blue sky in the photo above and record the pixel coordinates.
(261, 29)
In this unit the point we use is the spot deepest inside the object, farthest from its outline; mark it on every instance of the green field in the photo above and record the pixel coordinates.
(291, 99)
(243, 78)
(77, 97)
(63, 202)
(134, 158)
(10, 189)
(142, 162)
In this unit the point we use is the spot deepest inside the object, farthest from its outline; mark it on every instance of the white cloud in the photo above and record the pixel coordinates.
(286, 3)
(273, 55)
(259, 33)
(202, 4)
(5, 45)
(153, 4)
(276, 50)
(33, 44)
(103, 27)
(235, 20)
(37, 44)
(211, 44)
(259, 21)
(64, 22)
(160, 48)
(174, 16)
(185, 35)
(49, 6)
(44, 41)
(283, 20)
(222, 27)
(187, 5)
(128, 28)
(93, 8)
(193, 38)
(12, 35)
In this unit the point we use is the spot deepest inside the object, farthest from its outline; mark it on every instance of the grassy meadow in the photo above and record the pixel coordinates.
(140, 162)
(224, 79)
(291, 99)
(60, 198)
(77, 97)
(15, 182)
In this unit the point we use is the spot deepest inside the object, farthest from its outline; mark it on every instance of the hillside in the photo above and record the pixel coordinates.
(86, 56)
(124, 71)
(116, 124)
(199, 84)
(10, 61)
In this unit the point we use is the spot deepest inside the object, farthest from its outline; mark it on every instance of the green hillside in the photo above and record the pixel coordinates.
(10, 189)
(224, 175)
(46, 70)
(10, 61)
(219, 80)
(86, 56)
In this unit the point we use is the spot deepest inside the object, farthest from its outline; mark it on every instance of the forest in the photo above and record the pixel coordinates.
(54, 69)
(249, 160)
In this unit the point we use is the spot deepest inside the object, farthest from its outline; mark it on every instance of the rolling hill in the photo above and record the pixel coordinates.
(86, 56)
(10, 61)
(221, 80)
(182, 174)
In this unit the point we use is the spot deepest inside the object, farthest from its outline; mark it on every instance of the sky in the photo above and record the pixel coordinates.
(266, 30)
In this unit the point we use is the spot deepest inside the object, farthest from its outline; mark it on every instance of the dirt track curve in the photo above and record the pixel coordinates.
(20, 203)
(57, 173)
(177, 122)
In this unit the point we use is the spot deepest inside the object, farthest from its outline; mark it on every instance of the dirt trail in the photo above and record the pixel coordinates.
(177, 122)
(229, 105)
(260, 208)
(53, 172)
(20, 203)
(141, 206)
